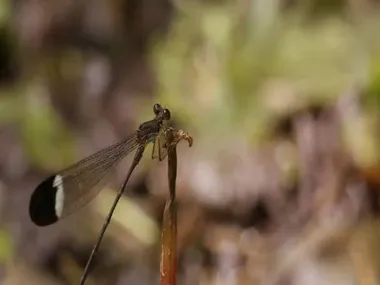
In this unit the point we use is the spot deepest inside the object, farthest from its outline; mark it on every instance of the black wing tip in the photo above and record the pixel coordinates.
(42, 203)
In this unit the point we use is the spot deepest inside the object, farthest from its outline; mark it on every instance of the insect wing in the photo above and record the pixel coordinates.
(67, 191)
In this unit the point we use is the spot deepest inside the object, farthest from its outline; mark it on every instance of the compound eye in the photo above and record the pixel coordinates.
(166, 114)
(156, 109)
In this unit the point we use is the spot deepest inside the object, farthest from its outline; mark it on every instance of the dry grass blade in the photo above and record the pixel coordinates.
(168, 264)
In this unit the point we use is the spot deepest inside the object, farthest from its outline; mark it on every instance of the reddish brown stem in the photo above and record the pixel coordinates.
(168, 266)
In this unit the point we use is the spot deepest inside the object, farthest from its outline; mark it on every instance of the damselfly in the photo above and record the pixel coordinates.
(67, 191)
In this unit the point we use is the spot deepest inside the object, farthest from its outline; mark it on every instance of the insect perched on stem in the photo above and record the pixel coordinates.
(65, 192)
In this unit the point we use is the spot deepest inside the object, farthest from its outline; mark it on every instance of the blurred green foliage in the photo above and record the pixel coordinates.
(48, 142)
(6, 246)
(5, 12)
(243, 64)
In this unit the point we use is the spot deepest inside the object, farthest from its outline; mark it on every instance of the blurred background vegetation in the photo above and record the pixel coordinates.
(282, 98)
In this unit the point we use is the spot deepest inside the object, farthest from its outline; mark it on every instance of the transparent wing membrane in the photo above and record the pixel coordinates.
(84, 180)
